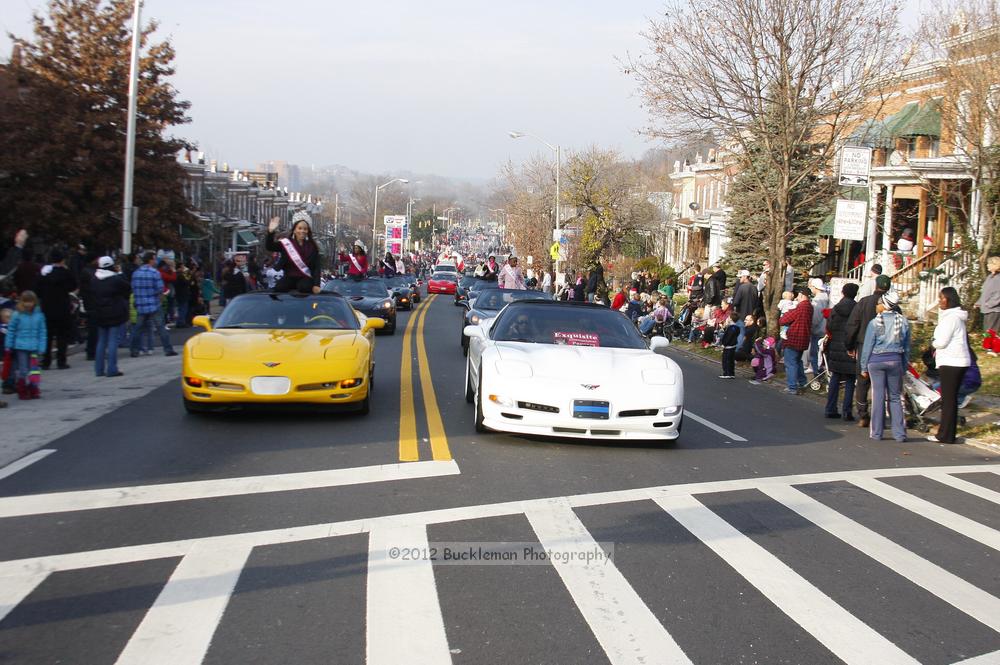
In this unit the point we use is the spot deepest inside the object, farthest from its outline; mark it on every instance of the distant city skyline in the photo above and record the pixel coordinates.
(430, 87)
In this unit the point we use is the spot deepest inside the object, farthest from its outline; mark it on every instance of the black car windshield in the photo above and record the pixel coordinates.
(566, 324)
(466, 281)
(366, 288)
(497, 299)
(444, 277)
(288, 312)
(399, 281)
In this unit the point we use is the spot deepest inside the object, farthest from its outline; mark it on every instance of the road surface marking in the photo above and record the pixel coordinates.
(711, 425)
(838, 630)
(992, 658)
(404, 621)
(116, 497)
(408, 451)
(950, 588)
(133, 553)
(178, 628)
(24, 462)
(13, 590)
(935, 513)
(623, 624)
(966, 486)
(439, 441)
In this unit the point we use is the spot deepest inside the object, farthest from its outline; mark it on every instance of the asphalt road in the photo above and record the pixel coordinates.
(766, 534)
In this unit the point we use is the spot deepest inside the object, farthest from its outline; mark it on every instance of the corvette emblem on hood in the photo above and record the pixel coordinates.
(590, 386)
(271, 364)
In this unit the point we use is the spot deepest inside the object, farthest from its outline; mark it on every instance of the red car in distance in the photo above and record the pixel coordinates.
(442, 282)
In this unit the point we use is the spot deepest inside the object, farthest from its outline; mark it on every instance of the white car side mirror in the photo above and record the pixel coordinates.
(473, 331)
(659, 344)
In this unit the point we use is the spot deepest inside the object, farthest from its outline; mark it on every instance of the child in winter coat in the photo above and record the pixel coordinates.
(27, 338)
(764, 360)
(728, 339)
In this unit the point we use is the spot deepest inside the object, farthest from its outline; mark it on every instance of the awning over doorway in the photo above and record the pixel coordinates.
(246, 239)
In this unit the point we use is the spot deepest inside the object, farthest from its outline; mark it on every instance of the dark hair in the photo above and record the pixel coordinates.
(850, 290)
(148, 256)
(877, 268)
(951, 296)
(56, 255)
(802, 290)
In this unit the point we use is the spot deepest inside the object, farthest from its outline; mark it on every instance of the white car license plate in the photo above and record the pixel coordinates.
(270, 385)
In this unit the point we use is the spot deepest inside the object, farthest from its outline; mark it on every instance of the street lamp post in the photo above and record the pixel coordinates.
(375, 213)
(133, 96)
(558, 150)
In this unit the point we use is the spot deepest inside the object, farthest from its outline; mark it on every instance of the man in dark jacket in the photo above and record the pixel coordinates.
(713, 291)
(799, 322)
(87, 296)
(110, 298)
(595, 281)
(857, 325)
(842, 366)
(745, 303)
(54, 287)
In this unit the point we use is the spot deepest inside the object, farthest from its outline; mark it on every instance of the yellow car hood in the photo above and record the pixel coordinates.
(278, 346)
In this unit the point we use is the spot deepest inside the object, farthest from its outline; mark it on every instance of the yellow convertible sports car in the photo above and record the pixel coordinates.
(281, 348)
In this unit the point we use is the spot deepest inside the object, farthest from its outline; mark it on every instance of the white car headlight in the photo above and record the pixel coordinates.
(387, 304)
(474, 319)
(500, 400)
(513, 368)
(671, 410)
(659, 376)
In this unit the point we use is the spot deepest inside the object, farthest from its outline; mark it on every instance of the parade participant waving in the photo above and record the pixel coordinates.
(357, 261)
(300, 255)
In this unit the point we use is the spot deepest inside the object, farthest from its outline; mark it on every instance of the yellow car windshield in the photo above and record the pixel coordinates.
(287, 312)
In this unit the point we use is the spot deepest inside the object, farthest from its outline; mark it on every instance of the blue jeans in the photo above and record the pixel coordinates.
(106, 356)
(153, 322)
(887, 383)
(836, 378)
(22, 364)
(795, 374)
(743, 333)
(814, 352)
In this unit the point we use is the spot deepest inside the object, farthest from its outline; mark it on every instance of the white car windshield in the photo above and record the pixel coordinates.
(570, 325)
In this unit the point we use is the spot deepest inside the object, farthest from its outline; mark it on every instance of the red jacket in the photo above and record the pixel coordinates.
(351, 268)
(799, 322)
(619, 301)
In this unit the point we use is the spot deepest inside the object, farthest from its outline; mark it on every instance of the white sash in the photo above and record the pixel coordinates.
(357, 265)
(294, 255)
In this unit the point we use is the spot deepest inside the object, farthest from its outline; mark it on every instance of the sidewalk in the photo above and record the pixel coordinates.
(74, 397)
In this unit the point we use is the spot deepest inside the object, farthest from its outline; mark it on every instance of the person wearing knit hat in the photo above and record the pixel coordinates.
(884, 358)
(857, 328)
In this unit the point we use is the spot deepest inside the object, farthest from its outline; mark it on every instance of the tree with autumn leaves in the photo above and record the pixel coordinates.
(63, 128)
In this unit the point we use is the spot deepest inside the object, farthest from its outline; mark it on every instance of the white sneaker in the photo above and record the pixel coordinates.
(809, 370)
(964, 402)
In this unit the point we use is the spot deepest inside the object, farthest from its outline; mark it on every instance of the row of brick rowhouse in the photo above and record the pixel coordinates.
(921, 180)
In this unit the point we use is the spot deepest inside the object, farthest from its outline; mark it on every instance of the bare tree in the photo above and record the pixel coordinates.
(782, 78)
(527, 193)
(962, 41)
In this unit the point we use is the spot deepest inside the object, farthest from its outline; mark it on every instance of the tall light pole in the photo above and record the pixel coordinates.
(409, 218)
(375, 213)
(558, 150)
(133, 84)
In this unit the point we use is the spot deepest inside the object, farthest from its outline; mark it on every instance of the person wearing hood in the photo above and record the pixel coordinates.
(884, 359)
(952, 359)
(111, 293)
(54, 286)
(842, 366)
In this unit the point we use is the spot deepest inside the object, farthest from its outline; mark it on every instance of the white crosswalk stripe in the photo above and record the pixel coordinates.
(404, 615)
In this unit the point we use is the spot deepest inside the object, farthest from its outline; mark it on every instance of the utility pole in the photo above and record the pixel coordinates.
(133, 84)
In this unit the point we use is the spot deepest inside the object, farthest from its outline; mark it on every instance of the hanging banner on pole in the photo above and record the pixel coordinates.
(849, 222)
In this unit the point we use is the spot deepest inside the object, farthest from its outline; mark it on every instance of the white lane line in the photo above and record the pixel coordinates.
(838, 630)
(965, 486)
(975, 602)
(178, 628)
(623, 624)
(935, 513)
(24, 462)
(115, 555)
(992, 658)
(14, 589)
(115, 497)
(708, 423)
(404, 622)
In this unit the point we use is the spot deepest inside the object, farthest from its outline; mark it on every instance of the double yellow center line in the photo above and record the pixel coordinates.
(408, 449)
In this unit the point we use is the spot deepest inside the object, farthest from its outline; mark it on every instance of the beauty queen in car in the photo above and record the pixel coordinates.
(299, 255)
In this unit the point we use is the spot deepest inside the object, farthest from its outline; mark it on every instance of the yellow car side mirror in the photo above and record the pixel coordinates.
(374, 323)
(202, 322)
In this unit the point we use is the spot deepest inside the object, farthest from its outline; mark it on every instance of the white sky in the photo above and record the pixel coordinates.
(381, 86)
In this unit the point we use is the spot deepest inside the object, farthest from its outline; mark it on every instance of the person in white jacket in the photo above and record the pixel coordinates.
(510, 275)
(951, 344)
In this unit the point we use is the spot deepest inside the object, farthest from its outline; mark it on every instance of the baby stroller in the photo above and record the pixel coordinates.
(821, 378)
(920, 401)
(681, 326)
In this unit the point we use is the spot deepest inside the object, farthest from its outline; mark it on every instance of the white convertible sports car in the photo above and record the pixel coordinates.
(569, 369)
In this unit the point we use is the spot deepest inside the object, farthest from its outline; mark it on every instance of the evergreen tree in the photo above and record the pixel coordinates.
(66, 130)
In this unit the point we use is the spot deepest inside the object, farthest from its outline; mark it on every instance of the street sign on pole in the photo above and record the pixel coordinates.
(855, 166)
(849, 222)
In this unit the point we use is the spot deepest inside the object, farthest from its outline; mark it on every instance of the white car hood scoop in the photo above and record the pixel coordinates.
(580, 363)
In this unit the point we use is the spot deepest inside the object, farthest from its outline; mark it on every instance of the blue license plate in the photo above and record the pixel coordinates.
(591, 409)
